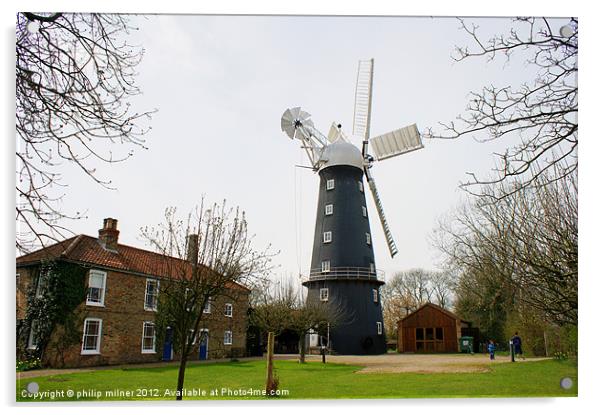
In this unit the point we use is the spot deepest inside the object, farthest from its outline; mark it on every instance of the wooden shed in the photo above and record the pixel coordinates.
(429, 329)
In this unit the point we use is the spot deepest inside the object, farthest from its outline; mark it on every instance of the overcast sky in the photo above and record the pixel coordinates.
(220, 85)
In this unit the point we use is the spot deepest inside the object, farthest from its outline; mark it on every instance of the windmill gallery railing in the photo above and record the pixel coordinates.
(351, 273)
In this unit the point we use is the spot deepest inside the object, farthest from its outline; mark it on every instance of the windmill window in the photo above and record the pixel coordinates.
(372, 268)
(364, 212)
(328, 209)
(368, 239)
(329, 184)
(326, 266)
(327, 237)
(323, 294)
(375, 295)
(360, 185)
(379, 327)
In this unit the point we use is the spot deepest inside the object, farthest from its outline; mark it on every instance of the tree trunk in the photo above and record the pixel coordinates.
(269, 383)
(545, 343)
(181, 373)
(302, 349)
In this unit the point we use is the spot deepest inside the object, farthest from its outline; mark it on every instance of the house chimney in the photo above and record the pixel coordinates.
(192, 254)
(108, 235)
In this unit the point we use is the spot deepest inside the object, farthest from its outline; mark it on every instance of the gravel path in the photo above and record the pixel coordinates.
(421, 363)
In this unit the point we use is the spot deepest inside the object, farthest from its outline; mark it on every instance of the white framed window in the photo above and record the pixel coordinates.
(191, 335)
(375, 295)
(186, 291)
(323, 294)
(148, 337)
(326, 266)
(329, 184)
(227, 337)
(97, 281)
(327, 237)
(228, 310)
(372, 268)
(32, 340)
(360, 185)
(207, 306)
(92, 335)
(379, 327)
(328, 209)
(364, 212)
(41, 284)
(151, 295)
(368, 239)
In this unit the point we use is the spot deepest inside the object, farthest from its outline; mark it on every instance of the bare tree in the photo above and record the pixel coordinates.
(75, 74)
(410, 289)
(207, 255)
(286, 308)
(541, 111)
(442, 284)
(313, 315)
(528, 240)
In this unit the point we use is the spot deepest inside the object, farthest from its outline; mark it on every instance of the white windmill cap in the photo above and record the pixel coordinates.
(341, 153)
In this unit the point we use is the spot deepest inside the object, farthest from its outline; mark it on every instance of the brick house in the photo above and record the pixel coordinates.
(123, 284)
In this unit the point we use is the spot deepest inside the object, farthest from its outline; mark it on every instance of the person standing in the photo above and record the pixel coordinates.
(491, 350)
(518, 345)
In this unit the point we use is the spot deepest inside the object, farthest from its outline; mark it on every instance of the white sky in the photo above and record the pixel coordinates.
(221, 84)
(153, 178)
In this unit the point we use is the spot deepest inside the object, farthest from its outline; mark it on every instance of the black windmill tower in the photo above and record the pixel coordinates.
(343, 269)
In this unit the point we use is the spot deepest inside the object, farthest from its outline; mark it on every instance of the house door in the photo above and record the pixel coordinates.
(204, 345)
(168, 345)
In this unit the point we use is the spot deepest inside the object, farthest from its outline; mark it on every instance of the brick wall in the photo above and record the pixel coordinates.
(123, 315)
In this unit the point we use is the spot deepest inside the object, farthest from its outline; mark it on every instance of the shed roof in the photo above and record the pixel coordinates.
(436, 307)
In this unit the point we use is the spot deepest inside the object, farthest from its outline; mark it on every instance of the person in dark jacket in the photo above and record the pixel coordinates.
(491, 350)
(518, 345)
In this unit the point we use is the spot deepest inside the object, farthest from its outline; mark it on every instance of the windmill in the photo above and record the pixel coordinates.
(342, 265)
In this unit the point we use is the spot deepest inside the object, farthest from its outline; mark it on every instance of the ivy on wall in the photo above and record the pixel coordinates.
(56, 290)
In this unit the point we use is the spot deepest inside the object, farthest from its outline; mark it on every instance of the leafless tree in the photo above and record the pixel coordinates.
(442, 284)
(408, 290)
(528, 240)
(284, 307)
(541, 111)
(75, 74)
(207, 255)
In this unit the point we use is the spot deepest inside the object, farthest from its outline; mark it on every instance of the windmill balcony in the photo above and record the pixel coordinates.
(344, 273)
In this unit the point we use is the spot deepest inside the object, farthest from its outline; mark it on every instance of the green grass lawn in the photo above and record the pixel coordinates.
(311, 381)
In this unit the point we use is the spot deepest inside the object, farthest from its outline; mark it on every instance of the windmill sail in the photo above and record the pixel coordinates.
(396, 142)
(335, 133)
(381, 214)
(363, 99)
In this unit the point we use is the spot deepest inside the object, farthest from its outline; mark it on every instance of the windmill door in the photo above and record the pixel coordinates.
(168, 345)
(204, 345)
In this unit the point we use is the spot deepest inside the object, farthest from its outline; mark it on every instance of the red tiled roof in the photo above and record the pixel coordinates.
(87, 249)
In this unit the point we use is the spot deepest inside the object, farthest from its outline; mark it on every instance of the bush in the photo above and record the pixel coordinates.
(561, 355)
(25, 365)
